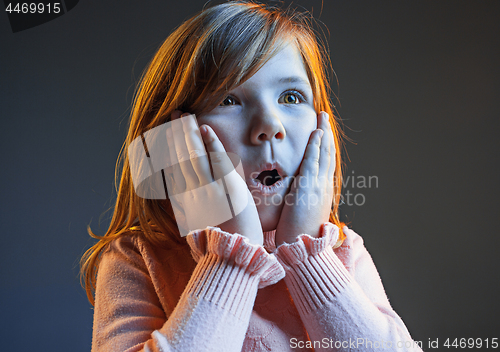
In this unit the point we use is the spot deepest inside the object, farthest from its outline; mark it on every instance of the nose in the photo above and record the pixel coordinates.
(266, 126)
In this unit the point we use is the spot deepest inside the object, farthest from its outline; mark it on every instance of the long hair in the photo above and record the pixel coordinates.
(211, 53)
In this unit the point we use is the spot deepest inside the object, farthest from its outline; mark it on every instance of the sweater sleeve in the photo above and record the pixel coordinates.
(342, 303)
(213, 312)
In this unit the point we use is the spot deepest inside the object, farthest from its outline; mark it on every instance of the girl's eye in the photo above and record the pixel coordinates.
(291, 98)
(228, 101)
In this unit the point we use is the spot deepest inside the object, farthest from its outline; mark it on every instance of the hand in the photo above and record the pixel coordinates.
(207, 192)
(308, 203)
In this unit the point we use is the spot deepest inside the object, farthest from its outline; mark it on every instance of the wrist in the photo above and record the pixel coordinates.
(291, 235)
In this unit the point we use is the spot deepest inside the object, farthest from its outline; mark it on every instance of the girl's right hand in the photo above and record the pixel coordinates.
(204, 188)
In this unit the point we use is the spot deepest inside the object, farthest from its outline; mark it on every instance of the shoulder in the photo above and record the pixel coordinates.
(130, 263)
(125, 243)
(123, 257)
(352, 238)
(352, 252)
(122, 272)
(360, 265)
(133, 249)
(128, 247)
(353, 244)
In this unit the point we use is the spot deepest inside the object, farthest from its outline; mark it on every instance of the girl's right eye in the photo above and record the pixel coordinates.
(228, 101)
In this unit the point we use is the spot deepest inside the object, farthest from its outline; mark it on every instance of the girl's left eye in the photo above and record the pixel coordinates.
(229, 100)
(291, 98)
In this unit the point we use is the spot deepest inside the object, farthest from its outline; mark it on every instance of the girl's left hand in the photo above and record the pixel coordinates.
(309, 201)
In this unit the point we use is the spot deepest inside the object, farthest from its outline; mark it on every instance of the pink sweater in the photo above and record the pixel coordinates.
(224, 294)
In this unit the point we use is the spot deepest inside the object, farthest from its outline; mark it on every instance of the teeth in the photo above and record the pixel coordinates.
(268, 177)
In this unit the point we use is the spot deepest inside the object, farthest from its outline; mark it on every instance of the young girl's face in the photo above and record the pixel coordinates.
(267, 122)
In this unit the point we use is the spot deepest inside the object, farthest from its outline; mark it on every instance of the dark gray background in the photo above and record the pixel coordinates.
(418, 86)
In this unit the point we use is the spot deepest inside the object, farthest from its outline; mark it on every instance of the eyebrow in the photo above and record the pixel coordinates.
(293, 79)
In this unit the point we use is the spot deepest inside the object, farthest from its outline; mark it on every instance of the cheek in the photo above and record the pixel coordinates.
(226, 133)
(302, 131)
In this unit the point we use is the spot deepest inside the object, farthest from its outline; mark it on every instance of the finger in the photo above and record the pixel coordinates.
(220, 161)
(196, 149)
(182, 154)
(310, 163)
(325, 149)
(177, 184)
(333, 154)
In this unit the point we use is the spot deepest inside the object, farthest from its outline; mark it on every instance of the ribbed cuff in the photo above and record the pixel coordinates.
(314, 273)
(230, 269)
(270, 241)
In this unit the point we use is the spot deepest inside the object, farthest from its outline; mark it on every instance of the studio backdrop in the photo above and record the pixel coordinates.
(417, 84)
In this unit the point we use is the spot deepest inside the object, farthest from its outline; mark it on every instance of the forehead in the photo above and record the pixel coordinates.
(286, 66)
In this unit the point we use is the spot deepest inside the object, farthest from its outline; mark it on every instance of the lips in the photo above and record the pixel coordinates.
(268, 179)
(268, 173)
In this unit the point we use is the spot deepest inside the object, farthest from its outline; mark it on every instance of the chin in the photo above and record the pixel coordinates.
(269, 215)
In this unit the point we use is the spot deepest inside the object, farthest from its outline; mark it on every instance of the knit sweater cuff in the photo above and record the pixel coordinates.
(270, 241)
(314, 273)
(228, 265)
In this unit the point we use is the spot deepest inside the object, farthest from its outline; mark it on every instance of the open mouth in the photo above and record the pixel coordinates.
(269, 177)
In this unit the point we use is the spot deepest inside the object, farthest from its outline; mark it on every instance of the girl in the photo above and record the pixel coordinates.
(283, 275)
